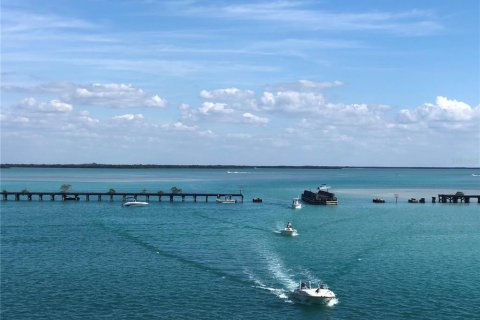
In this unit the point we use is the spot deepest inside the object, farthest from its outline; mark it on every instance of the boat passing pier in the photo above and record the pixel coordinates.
(100, 196)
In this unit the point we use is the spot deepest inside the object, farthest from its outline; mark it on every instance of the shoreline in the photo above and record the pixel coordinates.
(175, 166)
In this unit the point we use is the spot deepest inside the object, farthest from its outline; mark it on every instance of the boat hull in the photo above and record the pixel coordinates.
(289, 232)
(316, 296)
(135, 204)
(226, 201)
(319, 198)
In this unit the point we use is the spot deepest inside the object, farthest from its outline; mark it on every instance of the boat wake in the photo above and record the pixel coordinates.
(238, 172)
(279, 274)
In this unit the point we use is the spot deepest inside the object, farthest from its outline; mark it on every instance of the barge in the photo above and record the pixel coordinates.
(321, 197)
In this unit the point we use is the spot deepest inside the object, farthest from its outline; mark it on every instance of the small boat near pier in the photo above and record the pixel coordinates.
(132, 202)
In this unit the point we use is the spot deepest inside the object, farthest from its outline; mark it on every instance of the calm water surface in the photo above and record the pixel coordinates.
(89, 260)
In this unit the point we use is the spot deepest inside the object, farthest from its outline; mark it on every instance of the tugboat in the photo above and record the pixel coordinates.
(322, 196)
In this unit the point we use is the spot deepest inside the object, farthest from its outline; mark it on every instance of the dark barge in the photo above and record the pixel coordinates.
(319, 198)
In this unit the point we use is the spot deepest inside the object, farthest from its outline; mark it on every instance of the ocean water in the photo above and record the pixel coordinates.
(97, 260)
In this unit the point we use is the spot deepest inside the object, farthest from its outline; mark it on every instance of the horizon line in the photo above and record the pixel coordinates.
(211, 166)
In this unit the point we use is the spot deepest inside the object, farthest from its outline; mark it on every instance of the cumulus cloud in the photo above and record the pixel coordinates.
(178, 126)
(227, 94)
(443, 109)
(52, 106)
(114, 95)
(156, 102)
(250, 118)
(129, 117)
(211, 107)
(292, 101)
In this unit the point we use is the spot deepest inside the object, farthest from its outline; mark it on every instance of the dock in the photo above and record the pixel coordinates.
(100, 196)
(455, 198)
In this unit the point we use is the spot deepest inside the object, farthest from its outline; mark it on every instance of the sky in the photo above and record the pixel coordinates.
(327, 83)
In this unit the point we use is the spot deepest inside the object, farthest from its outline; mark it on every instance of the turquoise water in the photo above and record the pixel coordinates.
(72, 260)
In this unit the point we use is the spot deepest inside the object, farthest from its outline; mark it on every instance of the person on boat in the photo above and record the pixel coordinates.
(303, 285)
(289, 225)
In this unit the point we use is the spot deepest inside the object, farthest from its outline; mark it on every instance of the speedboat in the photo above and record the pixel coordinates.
(320, 294)
(296, 204)
(289, 231)
(132, 202)
(226, 200)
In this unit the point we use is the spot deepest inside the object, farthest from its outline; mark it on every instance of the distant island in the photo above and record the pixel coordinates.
(195, 166)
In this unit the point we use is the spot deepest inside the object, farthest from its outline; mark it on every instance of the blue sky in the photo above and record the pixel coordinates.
(367, 83)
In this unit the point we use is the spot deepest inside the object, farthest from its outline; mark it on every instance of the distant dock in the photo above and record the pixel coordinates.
(100, 196)
(454, 198)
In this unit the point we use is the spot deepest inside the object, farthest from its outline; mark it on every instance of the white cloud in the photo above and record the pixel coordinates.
(444, 112)
(292, 101)
(227, 94)
(129, 117)
(253, 119)
(52, 106)
(114, 95)
(240, 136)
(156, 101)
(178, 126)
(211, 107)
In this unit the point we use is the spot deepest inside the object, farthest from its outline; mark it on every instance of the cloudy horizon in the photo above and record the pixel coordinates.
(241, 83)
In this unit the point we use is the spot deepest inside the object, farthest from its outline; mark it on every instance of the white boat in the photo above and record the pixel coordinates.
(288, 230)
(132, 202)
(324, 187)
(296, 204)
(320, 294)
(226, 200)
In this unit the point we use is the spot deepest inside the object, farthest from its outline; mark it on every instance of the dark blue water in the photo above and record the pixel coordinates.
(64, 260)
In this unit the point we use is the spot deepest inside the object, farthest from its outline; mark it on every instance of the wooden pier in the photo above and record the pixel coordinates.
(100, 196)
(455, 198)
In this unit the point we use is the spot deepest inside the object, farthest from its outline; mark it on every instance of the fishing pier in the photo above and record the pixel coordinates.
(100, 196)
(456, 198)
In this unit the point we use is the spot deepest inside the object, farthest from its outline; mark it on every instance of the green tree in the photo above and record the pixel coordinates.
(176, 190)
(65, 187)
(459, 194)
(160, 192)
(112, 191)
(24, 191)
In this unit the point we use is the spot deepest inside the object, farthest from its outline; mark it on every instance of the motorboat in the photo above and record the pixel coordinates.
(226, 200)
(289, 230)
(320, 294)
(257, 200)
(132, 202)
(378, 200)
(296, 204)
